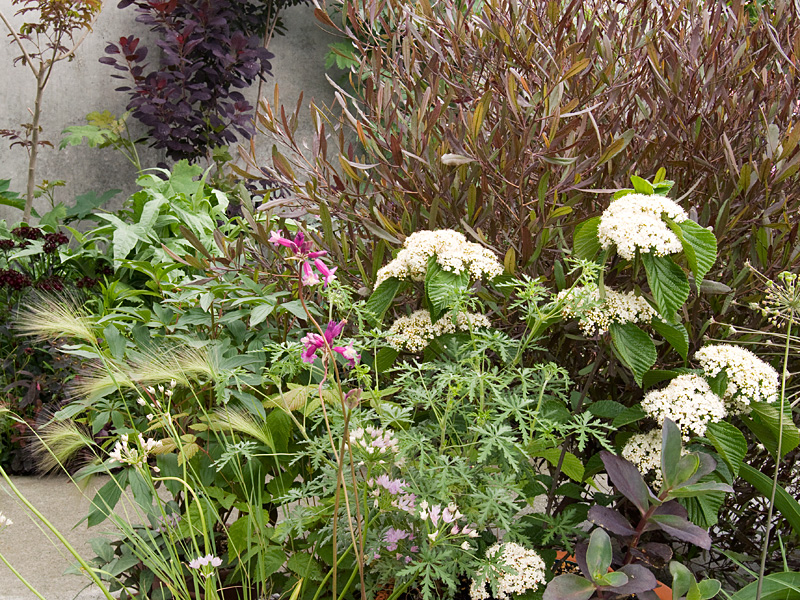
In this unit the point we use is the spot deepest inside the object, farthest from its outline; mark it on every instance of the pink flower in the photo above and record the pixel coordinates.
(202, 561)
(327, 274)
(349, 353)
(307, 274)
(298, 245)
(314, 341)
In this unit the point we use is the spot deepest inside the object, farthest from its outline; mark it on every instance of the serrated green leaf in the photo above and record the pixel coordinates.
(443, 288)
(381, 299)
(635, 347)
(585, 240)
(668, 283)
(774, 427)
(729, 443)
(699, 245)
(675, 334)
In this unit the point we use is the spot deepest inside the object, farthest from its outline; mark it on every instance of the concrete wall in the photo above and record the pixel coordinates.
(84, 85)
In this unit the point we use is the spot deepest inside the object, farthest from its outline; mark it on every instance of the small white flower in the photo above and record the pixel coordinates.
(688, 401)
(526, 571)
(466, 546)
(634, 222)
(141, 401)
(5, 521)
(432, 536)
(750, 379)
(452, 251)
(596, 315)
(414, 332)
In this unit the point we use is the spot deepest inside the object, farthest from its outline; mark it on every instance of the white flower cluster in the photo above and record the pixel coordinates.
(526, 572)
(634, 222)
(596, 315)
(688, 401)
(5, 521)
(750, 379)
(453, 253)
(414, 332)
(644, 451)
(374, 440)
(134, 455)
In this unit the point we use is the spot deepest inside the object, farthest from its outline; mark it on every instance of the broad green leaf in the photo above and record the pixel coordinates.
(729, 443)
(774, 426)
(634, 347)
(777, 586)
(675, 334)
(784, 502)
(569, 587)
(443, 288)
(381, 299)
(598, 554)
(699, 245)
(585, 241)
(106, 498)
(642, 186)
(261, 312)
(673, 470)
(613, 579)
(304, 565)
(142, 492)
(682, 579)
(668, 283)
(572, 467)
(708, 589)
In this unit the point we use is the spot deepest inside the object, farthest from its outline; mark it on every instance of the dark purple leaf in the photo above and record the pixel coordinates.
(627, 480)
(611, 519)
(682, 529)
(654, 554)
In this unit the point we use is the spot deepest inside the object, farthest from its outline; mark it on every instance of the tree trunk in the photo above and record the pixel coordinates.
(41, 81)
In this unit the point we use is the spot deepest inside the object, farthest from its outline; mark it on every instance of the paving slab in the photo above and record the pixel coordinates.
(34, 551)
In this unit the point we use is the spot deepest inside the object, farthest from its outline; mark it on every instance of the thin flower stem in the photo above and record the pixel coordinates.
(84, 565)
(770, 510)
(19, 576)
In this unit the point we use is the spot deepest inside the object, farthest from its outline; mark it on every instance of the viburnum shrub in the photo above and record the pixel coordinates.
(192, 102)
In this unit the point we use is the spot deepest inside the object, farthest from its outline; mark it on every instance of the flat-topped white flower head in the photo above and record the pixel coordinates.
(634, 222)
(750, 379)
(644, 451)
(525, 572)
(596, 315)
(688, 401)
(453, 253)
(414, 332)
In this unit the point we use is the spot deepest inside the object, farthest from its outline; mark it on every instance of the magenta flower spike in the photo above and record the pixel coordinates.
(314, 341)
(327, 273)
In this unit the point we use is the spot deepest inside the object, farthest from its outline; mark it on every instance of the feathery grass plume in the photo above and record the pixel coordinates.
(185, 365)
(241, 421)
(45, 317)
(58, 443)
(99, 380)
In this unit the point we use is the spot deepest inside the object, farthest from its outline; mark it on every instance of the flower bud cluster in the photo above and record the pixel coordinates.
(634, 222)
(133, 455)
(414, 332)
(596, 315)
(750, 379)
(452, 251)
(524, 570)
(688, 401)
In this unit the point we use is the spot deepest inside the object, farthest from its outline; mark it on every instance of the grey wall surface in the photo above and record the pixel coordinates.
(84, 85)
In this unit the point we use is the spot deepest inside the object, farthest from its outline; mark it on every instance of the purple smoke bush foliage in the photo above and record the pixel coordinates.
(192, 102)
